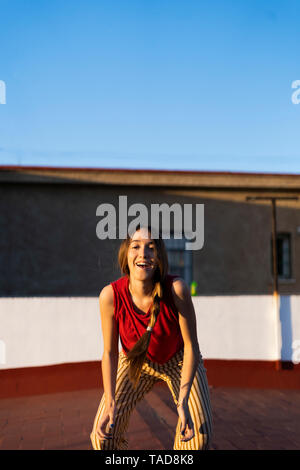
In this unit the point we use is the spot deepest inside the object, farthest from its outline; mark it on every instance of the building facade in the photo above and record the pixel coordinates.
(50, 246)
(52, 261)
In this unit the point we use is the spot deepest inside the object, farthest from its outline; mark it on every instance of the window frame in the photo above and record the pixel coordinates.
(187, 256)
(288, 237)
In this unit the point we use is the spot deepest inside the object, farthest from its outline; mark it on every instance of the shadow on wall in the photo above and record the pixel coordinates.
(286, 328)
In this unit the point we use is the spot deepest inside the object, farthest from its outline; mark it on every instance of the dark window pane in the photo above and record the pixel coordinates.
(283, 246)
(180, 260)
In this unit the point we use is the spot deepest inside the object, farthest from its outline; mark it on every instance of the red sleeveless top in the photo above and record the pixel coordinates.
(166, 339)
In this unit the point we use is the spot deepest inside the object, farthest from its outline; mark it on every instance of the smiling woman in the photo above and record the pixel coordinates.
(153, 314)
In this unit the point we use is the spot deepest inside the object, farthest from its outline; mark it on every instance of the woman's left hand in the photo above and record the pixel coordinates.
(187, 425)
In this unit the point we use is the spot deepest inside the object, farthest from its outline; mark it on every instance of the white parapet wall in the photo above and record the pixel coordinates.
(237, 327)
(43, 331)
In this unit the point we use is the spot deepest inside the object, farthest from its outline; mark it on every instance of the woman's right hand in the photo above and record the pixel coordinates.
(106, 423)
(187, 426)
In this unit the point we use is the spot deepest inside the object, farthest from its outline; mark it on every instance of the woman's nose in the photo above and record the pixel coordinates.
(144, 250)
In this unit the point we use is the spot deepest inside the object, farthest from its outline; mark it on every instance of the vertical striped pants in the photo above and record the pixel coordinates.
(126, 397)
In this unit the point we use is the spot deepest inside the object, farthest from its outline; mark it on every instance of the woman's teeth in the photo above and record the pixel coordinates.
(143, 265)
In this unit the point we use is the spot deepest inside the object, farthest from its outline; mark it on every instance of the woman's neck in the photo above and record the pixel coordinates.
(140, 288)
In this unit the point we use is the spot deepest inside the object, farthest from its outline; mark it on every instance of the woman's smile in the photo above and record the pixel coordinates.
(144, 265)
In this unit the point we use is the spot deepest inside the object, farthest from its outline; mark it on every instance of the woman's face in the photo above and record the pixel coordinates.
(141, 257)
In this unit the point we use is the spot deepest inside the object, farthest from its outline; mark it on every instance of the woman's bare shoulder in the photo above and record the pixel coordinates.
(106, 295)
(179, 287)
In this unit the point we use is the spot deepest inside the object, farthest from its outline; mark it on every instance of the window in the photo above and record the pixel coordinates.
(283, 244)
(180, 259)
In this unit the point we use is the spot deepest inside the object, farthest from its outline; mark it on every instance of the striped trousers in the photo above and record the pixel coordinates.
(126, 397)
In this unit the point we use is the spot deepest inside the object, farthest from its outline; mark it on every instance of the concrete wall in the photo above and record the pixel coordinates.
(46, 331)
(49, 245)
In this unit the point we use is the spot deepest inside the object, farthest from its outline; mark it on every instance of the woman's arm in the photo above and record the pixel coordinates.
(110, 355)
(191, 357)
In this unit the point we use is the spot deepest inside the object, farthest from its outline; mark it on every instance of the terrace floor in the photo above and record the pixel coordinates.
(243, 419)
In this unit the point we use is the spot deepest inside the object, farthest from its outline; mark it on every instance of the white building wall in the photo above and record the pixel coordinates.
(237, 327)
(45, 331)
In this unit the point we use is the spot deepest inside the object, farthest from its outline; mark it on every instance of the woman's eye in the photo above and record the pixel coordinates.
(137, 246)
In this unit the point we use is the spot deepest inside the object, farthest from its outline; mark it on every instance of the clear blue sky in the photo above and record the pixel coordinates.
(189, 84)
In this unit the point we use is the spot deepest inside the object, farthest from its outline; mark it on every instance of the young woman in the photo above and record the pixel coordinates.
(153, 313)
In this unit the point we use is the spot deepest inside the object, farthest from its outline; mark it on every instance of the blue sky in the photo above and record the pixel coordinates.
(164, 84)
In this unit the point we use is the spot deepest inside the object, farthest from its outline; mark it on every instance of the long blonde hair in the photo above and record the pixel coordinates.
(136, 356)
